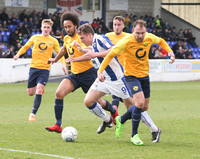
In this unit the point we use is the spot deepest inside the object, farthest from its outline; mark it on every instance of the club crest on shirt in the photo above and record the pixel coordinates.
(104, 41)
(135, 88)
(145, 44)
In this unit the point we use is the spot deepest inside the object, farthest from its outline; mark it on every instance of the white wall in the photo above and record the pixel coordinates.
(14, 71)
(160, 70)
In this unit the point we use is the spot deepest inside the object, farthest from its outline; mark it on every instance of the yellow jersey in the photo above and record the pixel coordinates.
(42, 50)
(114, 39)
(76, 67)
(136, 55)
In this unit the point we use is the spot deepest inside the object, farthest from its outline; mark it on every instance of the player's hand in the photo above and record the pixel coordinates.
(65, 69)
(100, 76)
(69, 59)
(51, 60)
(172, 57)
(76, 44)
(16, 57)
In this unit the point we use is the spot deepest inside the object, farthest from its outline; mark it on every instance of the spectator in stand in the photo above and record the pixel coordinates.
(23, 15)
(44, 14)
(20, 27)
(180, 53)
(2, 51)
(5, 25)
(164, 53)
(10, 52)
(157, 20)
(1, 29)
(16, 49)
(95, 25)
(180, 35)
(26, 31)
(14, 38)
(103, 26)
(13, 19)
(34, 16)
(174, 34)
(55, 24)
(31, 24)
(39, 22)
(25, 21)
(4, 15)
(188, 54)
(191, 39)
(176, 46)
(166, 35)
(127, 22)
(166, 25)
(152, 52)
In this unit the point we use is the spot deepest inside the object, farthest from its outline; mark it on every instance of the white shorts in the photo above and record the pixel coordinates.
(117, 88)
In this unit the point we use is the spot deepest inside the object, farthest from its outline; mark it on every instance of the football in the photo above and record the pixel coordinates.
(69, 134)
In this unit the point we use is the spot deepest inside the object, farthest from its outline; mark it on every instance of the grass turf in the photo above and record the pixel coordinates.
(174, 107)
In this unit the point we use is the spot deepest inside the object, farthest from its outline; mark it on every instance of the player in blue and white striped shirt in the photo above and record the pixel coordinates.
(114, 78)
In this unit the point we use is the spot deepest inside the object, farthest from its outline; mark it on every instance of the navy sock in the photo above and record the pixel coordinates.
(136, 116)
(37, 102)
(115, 100)
(127, 115)
(58, 108)
(109, 107)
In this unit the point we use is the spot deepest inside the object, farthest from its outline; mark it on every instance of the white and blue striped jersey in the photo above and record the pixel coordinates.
(114, 70)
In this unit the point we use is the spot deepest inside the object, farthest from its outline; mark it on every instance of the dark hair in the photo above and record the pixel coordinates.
(85, 29)
(140, 22)
(70, 16)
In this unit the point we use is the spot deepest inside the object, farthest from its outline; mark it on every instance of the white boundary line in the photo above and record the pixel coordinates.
(36, 153)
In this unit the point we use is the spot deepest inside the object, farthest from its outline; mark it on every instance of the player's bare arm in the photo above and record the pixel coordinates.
(59, 55)
(16, 57)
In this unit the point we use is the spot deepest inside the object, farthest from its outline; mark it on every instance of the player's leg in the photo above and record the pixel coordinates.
(139, 99)
(40, 78)
(91, 102)
(65, 87)
(155, 131)
(115, 101)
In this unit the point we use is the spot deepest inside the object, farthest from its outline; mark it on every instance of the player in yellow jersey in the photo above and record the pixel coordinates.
(117, 35)
(83, 73)
(43, 46)
(135, 48)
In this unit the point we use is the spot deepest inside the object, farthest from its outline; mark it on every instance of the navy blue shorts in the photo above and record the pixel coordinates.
(37, 76)
(138, 84)
(83, 80)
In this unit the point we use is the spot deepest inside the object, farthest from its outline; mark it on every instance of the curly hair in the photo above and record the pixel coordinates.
(70, 16)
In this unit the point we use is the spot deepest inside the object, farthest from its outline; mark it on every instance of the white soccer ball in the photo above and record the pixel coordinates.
(69, 134)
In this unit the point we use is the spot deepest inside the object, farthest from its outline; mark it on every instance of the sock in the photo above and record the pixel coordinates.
(58, 108)
(98, 111)
(136, 116)
(36, 104)
(109, 107)
(148, 121)
(127, 115)
(115, 100)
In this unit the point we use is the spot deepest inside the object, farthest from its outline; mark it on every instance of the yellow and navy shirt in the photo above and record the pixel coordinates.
(76, 67)
(136, 55)
(114, 39)
(42, 50)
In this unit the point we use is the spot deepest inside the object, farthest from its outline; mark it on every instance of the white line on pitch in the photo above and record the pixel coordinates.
(36, 153)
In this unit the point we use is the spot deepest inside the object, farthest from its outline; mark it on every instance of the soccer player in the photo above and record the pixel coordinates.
(113, 74)
(135, 48)
(83, 74)
(118, 34)
(43, 46)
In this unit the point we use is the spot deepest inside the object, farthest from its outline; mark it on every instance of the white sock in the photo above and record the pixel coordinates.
(98, 111)
(148, 121)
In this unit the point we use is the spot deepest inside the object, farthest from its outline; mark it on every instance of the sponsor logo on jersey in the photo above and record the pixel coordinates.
(145, 44)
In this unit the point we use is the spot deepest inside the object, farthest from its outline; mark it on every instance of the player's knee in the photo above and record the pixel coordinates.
(145, 109)
(141, 104)
(59, 94)
(88, 103)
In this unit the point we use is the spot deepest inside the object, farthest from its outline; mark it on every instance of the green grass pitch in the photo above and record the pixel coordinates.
(174, 107)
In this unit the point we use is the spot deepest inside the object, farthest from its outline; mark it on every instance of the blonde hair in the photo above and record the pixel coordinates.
(49, 21)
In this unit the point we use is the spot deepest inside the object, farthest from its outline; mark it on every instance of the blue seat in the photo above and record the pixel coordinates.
(33, 33)
(4, 47)
(24, 41)
(29, 52)
(5, 38)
